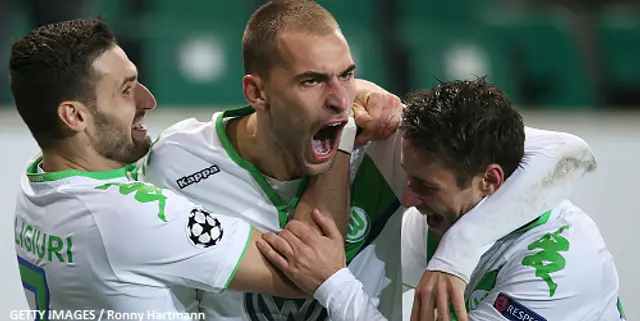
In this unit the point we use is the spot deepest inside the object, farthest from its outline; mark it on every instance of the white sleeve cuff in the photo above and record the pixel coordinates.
(332, 286)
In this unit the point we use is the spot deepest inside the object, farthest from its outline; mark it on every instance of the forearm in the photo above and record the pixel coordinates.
(328, 192)
(344, 298)
(553, 165)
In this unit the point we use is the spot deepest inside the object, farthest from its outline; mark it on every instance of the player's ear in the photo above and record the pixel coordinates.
(252, 86)
(492, 179)
(74, 115)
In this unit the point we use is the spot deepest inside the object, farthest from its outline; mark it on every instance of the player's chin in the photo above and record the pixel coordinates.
(314, 167)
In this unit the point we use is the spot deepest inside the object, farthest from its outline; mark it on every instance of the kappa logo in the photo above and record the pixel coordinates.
(514, 310)
(197, 177)
(261, 307)
(359, 225)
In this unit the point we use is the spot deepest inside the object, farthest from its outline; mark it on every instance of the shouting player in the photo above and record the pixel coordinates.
(87, 234)
(461, 142)
(299, 84)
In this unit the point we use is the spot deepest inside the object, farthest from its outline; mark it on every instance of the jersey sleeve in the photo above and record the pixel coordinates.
(556, 276)
(386, 156)
(551, 168)
(414, 247)
(155, 237)
(345, 299)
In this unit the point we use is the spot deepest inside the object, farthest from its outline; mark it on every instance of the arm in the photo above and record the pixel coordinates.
(414, 247)
(329, 192)
(344, 298)
(317, 263)
(552, 166)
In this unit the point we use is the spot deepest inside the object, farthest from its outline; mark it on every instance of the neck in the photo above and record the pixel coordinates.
(255, 144)
(67, 156)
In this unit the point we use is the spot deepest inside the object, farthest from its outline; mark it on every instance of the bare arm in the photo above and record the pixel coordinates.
(329, 192)
(256, 274)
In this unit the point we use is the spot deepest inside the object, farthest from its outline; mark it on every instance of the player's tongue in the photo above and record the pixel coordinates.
(322, 141)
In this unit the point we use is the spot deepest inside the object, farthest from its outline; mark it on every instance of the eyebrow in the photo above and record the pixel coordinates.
(128, 80)
(323, 76)
(422, 181)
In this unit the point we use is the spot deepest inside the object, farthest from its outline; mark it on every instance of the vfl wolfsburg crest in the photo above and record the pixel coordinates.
(359, 225)
(261, 307)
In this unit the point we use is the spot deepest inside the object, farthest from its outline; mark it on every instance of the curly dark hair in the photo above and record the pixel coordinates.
(467, 125)
(51, 64)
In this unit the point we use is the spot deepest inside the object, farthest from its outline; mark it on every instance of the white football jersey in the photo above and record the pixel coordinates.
(555, 268)
(197, 160)
(101, 240)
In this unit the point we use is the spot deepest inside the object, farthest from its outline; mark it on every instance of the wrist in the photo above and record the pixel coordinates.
(334, 283)
(348, 136)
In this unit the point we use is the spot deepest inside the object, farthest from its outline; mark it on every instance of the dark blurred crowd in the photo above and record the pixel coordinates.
(582, 18)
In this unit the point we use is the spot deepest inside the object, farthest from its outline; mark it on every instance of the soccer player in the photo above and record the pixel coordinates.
(462, 141)
(299, 84)
(87, 234)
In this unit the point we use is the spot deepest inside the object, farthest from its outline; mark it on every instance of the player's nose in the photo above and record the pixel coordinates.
(410, 198)
(337, 97)
(144, 98)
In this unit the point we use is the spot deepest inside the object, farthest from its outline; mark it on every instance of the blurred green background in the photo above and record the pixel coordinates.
(544, 54)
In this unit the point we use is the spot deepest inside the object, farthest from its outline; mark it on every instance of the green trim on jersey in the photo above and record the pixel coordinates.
(35, 177)
(235, 269)
(372, 199)
(284, 209)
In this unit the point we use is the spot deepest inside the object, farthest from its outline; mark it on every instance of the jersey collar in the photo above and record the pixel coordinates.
(35, 176)
(285, 210)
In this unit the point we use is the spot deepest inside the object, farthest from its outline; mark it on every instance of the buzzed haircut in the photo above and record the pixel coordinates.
(52, 64)
(259, 50)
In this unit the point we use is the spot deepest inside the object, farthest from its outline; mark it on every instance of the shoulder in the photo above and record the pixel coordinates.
(188, 133)
(137, 202)
(185, 147)
(553, 257)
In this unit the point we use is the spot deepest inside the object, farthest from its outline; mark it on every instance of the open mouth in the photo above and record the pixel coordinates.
(139, 125)
(325, 141)
(434, 220)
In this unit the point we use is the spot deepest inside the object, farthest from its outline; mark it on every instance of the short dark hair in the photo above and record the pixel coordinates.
(51, 64)
(259, 50)
(466, 125)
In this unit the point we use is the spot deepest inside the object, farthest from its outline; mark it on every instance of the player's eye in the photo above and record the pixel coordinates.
(309, 82)
(346, 76)
(127, 90)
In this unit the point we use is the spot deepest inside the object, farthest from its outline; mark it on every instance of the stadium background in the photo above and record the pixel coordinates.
(569, 65)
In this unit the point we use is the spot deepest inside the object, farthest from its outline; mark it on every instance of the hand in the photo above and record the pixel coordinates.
(376, 111)
(305, 256)
(439, 287)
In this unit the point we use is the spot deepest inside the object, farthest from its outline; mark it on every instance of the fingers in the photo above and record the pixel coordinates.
(303, 231)
(272, 255)
(427, 307)
(442, 302)
(361, 116)
(415, 309)
(294, 242)
(278, 243)
(328, 226)
(459, 307)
